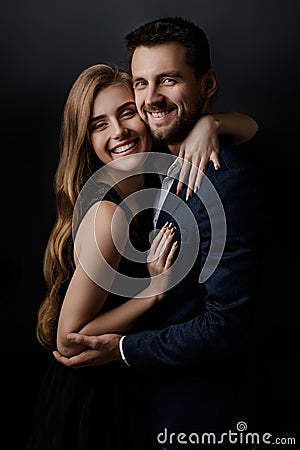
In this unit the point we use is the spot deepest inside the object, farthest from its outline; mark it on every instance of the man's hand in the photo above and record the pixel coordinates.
(101, 350)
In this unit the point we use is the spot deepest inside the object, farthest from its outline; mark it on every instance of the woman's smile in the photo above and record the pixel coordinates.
(126, 148)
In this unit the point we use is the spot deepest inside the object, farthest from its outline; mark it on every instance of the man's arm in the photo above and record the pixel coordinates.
(100, 350)
(222, 330)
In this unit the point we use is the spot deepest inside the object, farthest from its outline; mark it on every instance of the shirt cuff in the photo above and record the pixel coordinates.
(121, 350)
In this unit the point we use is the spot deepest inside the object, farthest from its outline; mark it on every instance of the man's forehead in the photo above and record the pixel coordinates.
(164, 59)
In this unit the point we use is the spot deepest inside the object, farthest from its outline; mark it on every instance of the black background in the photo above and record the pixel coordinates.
(45, 45)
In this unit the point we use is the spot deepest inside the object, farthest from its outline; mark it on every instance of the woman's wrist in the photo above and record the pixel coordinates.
(154, 293)
(212, 122)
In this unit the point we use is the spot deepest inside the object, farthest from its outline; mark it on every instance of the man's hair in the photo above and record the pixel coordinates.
(173, 29)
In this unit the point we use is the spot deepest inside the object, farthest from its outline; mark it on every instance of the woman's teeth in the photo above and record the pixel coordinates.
(123, 148)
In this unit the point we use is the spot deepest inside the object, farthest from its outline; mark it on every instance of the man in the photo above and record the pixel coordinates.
(194, 347)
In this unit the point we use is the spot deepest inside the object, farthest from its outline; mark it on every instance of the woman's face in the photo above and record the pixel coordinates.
(115, 127)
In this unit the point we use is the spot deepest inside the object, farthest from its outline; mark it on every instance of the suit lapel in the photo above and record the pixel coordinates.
(171, 203)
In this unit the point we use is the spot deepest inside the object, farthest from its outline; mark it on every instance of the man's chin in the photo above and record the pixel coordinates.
(161, 134)
(171, 137)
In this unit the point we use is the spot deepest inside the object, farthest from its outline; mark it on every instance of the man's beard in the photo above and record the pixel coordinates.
(180, 127)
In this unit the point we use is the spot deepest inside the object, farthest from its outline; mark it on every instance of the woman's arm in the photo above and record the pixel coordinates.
(84, 299)
(202, 145)
(239, 126)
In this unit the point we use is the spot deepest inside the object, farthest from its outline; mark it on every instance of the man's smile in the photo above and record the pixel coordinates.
(159, 115)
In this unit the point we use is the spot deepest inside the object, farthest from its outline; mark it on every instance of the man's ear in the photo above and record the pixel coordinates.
(209, 83)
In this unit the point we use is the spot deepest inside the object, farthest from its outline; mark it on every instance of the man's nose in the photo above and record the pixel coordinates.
(153, 95)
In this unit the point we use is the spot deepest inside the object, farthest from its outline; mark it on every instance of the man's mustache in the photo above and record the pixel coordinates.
(159, 107)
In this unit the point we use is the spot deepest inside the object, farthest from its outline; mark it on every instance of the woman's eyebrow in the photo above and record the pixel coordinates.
(130, 103)
(101, 116)
(93, 119)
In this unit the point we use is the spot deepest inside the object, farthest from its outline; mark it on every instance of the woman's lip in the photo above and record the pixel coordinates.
(129, 141)
(126, 152)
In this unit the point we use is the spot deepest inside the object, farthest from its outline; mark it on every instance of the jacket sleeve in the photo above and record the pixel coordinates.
(223, 329)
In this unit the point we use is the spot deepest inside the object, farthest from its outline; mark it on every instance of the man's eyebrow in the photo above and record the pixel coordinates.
(167, 73)
(137, 78)
(101, 116)
(170, 73)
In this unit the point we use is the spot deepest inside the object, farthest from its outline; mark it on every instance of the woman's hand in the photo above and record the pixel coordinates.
(202, 145)
(160, 258)
(198, 148)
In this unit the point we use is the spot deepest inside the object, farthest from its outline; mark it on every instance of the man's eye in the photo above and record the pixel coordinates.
(139, 85)
(168, 81)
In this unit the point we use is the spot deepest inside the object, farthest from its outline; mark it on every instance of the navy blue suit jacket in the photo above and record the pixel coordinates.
(193, 348)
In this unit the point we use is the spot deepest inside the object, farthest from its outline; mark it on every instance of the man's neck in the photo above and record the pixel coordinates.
(174, 148)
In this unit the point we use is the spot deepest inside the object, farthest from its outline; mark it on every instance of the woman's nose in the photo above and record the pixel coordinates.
(119, 130)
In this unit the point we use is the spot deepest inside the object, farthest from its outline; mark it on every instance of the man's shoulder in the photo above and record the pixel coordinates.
(242, 156)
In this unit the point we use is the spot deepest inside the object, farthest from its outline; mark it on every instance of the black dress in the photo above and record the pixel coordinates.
(94, 408)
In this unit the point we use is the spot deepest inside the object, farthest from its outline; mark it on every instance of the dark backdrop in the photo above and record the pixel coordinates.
(45, 45)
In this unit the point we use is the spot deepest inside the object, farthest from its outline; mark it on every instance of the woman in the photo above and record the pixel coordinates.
(102, 407)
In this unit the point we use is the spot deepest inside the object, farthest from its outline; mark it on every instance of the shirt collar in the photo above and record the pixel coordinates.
(174, 169)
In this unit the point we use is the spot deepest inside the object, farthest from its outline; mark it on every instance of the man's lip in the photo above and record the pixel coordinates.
(157, 119)
(128, 141)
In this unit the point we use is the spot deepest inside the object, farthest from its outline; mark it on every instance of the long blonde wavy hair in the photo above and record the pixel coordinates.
(77, 163)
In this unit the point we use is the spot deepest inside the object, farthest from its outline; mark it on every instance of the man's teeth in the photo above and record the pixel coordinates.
(123, 148)
(157, 115)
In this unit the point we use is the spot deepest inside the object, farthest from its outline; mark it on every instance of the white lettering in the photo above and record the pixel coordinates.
(171, 437)
(252, 436)
(230, 434)
(266, 438)
(208, 435)
(181, 436)
(165, 437)
(162, 434)
(197, 441)
(220, 441)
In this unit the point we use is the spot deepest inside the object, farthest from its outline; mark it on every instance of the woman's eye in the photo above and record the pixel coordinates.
(99, 126)
(128, 113)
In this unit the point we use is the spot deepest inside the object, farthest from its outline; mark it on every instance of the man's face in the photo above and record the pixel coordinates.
(168, 95)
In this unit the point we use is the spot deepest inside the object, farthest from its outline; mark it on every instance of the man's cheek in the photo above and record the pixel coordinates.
(141, 111)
